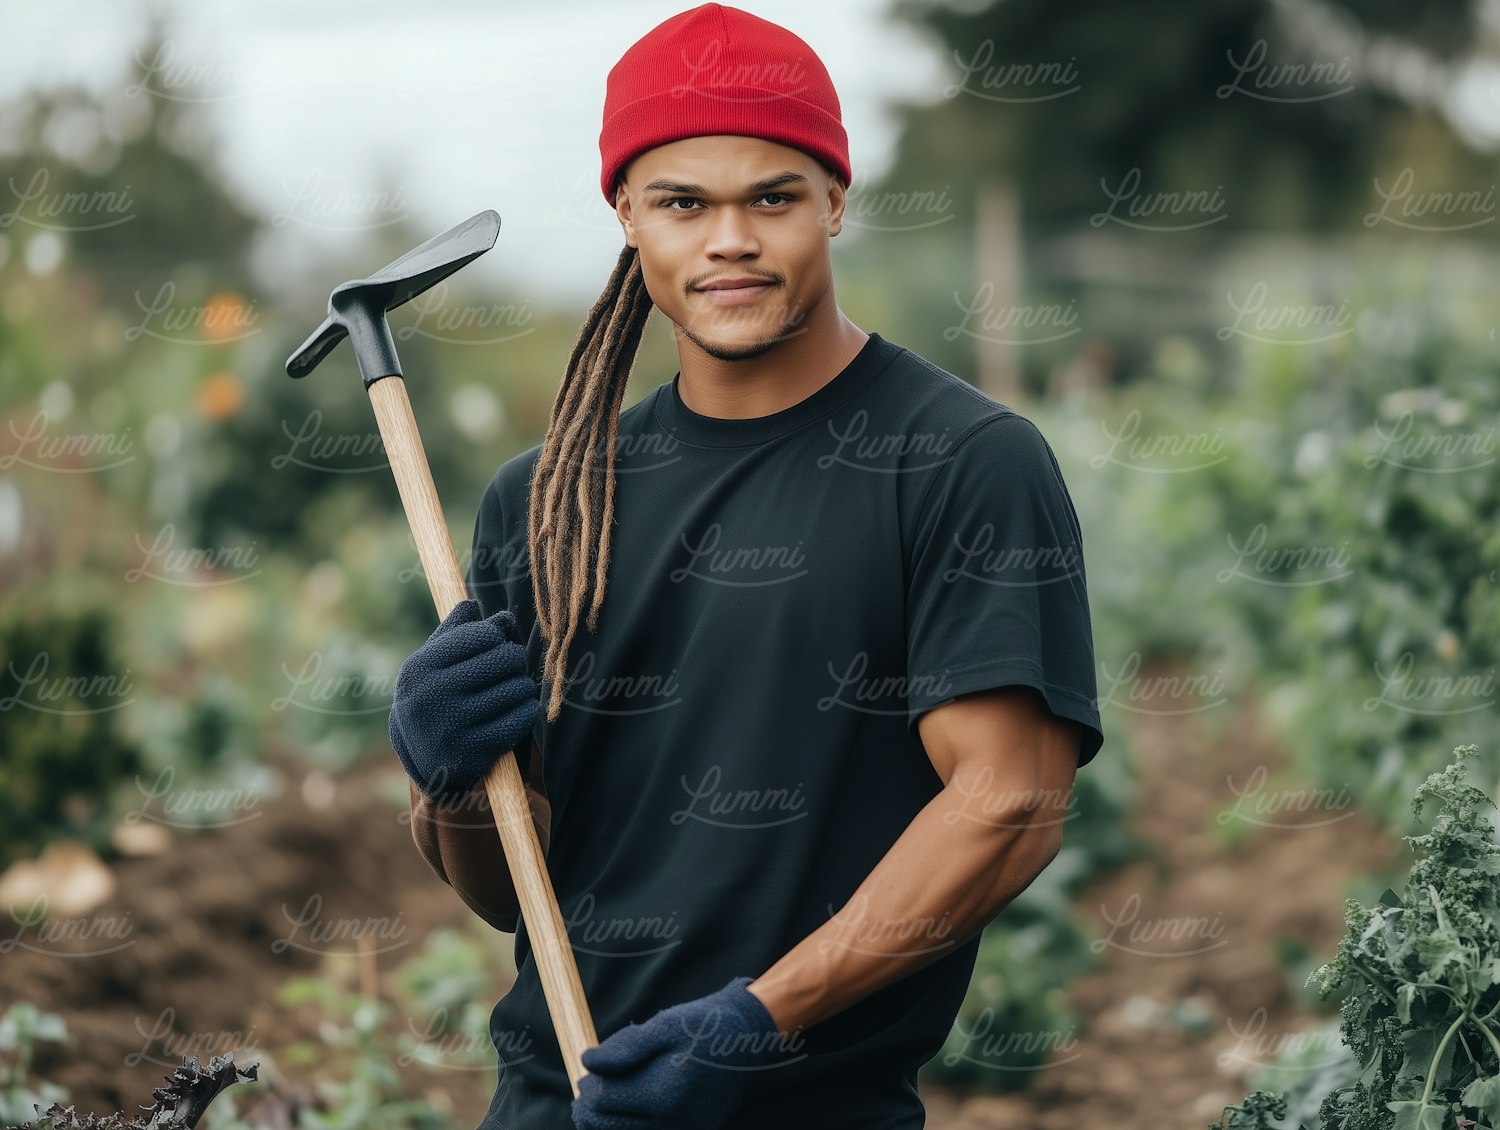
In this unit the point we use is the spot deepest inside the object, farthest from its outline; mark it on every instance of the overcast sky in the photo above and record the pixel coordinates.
(459, 105)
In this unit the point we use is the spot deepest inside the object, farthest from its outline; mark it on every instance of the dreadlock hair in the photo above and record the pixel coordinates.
(572, 503)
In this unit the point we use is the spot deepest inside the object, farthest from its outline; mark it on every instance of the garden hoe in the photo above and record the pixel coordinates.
(358, 309)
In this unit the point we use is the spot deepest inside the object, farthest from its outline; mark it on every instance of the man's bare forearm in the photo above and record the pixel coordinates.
(937, 886)
(460, 842)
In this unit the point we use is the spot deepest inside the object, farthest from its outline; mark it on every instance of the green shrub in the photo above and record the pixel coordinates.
(62, 695)
(1420, 978)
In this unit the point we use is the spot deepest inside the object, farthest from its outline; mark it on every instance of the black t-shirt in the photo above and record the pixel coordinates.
(737, 749)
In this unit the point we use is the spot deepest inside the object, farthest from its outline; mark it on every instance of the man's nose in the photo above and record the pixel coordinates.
(731, 235)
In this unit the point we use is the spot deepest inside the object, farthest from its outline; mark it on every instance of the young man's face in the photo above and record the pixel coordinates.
(729, 209)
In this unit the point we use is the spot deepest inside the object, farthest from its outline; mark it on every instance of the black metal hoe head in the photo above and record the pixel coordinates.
(357, 308)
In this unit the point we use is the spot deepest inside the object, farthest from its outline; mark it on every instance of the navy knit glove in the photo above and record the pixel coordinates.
(462, 700)
(687, 1068)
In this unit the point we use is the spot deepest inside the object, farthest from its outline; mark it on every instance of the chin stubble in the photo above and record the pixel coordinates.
(739, 353)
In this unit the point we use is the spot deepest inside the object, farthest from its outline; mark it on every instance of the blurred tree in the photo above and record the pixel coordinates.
(1287, 109)
(127, 182)
(1100, 161)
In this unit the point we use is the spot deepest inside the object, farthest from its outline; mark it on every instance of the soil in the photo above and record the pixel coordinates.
(1192, 988)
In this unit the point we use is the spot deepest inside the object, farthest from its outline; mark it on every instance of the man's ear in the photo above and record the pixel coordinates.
(836, 198)
(623, 214)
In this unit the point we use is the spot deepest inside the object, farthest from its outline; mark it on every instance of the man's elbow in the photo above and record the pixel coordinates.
(1045, 841)
(422, 835)
(506, 923)
(1031, 852)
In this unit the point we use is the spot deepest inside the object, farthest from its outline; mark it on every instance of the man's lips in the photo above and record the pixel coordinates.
(733, 291)
(735, 282)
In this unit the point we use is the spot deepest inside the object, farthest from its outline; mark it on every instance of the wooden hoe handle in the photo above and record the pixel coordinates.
(507, 792)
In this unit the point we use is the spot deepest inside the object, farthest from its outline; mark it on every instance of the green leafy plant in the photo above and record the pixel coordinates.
(21, 1027)
(1332, 527)
(448, 985)
(367, 1096)
(1420, 978)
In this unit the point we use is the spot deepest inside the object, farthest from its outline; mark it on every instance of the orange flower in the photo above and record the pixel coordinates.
(220, 396)
(227, 316)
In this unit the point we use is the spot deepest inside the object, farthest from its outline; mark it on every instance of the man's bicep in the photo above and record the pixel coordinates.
(999, 732)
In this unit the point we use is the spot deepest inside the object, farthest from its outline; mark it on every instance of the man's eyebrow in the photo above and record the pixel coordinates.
(698, 190)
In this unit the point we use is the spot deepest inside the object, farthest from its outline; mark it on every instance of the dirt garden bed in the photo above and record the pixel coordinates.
(206, 932)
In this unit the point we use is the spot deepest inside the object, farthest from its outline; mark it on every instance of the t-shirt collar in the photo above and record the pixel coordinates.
(713, 431)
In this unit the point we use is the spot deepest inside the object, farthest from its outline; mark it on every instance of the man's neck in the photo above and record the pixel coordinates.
(788, 373)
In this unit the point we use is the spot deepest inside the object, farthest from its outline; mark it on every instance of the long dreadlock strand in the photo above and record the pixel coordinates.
(572, 502)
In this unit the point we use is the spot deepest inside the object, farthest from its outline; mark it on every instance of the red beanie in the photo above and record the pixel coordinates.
(717, 69)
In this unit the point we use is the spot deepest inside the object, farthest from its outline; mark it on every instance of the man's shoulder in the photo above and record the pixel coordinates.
(514, 475)
(927, 398)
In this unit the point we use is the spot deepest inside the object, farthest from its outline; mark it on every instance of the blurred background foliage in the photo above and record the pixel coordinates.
(204, 567)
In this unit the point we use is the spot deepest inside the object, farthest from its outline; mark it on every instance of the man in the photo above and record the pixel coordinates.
(825, 725)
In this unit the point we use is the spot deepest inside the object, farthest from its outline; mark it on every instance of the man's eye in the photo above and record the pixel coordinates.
(678, 200)
(785, 198)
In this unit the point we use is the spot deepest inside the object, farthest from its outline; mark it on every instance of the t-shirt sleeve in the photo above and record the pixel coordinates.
(996, 587)
(483, 575)
(491, 565)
